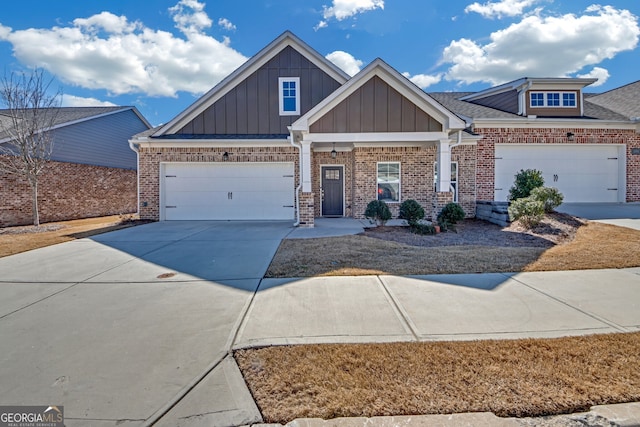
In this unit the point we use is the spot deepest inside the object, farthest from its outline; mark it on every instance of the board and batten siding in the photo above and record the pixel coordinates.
(102, 141)
(251, 108)
(376, 107)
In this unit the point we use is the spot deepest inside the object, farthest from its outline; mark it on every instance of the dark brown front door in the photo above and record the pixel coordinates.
(332, 189)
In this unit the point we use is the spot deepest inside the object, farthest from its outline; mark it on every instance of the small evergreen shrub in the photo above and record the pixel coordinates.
(411, 211)
(527, 210)
(526, 181)
(377, 212)
(423, 229)
(550, 197)
(450, 214)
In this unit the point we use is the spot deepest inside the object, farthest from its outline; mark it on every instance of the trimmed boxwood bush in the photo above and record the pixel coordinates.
(411, 211)
(450, 214)
(526, 180)
(378, 212)
(526, 210)
(550, 197)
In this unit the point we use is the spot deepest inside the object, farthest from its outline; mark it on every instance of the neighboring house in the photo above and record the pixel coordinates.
(92, 171)
(290, 136)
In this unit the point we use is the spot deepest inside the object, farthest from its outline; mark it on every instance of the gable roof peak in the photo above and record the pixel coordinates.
(286, 39)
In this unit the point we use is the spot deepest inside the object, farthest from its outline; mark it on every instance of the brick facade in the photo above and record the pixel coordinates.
(150, 159)
(68, 191)
(416, 181)
(486, 151)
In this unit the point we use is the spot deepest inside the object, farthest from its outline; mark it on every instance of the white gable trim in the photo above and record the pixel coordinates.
(394, 79)
(245, 70)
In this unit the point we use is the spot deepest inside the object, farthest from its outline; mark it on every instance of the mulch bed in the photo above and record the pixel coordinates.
(554, 229)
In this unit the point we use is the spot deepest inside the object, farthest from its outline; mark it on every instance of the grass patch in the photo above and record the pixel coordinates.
(14, 240)
(594, 246)
(521, 378)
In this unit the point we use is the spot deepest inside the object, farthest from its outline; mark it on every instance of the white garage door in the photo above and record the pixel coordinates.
(227, 191)
(582, 172)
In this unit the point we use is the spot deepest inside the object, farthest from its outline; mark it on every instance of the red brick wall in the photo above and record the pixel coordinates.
(486, 151)
(69, 191)
(150, 159)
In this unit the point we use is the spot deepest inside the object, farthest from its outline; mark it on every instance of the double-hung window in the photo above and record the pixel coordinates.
(389, 181)
(289, 96)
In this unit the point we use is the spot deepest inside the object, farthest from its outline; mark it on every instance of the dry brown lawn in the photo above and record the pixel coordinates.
(595, 245)
(528, 377)
(14, 240)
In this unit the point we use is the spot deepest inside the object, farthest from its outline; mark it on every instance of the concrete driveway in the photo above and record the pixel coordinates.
(620, 214)
(120, 327)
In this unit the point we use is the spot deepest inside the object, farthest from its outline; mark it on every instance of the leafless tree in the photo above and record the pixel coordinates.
(26, 137)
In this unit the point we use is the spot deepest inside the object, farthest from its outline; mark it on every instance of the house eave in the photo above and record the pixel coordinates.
(209, 143)
(554, 123)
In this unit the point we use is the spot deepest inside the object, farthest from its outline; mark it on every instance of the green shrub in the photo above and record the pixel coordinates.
(411, 211)
(419, 228)
(526, 210)
(377, 212)
(550, 197)
(449, 216)
(526, 180)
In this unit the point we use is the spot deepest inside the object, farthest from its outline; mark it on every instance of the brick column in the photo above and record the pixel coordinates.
(307, 212)
(439, 200)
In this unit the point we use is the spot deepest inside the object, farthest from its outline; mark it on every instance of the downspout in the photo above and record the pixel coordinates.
(136, 149)
(299, 187)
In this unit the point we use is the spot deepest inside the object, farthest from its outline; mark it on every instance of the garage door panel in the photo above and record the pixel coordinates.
(583, 173)
(228, 191)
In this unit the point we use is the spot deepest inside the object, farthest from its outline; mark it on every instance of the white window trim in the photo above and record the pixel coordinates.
(399, 180)
(546, 102)
(453, 189)
(281, 80)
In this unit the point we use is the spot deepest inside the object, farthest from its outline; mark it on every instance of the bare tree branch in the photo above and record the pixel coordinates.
(26, 138)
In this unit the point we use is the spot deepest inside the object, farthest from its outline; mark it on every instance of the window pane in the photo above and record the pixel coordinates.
(568, 99)
(553, 99)
(389, 182)
(289, 104)
(537, 99)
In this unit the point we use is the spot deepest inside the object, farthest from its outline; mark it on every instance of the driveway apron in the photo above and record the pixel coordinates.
(119, 328)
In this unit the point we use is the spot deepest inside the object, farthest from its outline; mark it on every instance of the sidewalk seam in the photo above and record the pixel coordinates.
(557, 299)
(397, 307)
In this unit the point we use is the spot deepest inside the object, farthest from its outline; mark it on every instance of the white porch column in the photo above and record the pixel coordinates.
(305, 167)
(444, 166)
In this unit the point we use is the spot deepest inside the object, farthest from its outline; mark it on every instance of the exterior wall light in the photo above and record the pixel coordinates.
(570, 136)
(225, 156)
(334, 153)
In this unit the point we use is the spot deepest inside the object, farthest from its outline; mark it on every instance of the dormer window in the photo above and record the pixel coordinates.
(553, 99)
(289, 90)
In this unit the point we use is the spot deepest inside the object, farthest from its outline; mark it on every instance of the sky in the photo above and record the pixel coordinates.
(161, 55)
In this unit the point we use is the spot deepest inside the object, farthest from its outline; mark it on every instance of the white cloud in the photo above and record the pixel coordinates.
(544, 46)
(108, 52)
(78, 101)
(226, 24)
(423, 81)
(343, 9)
(500, 8)
(345, 61)
(597, 73)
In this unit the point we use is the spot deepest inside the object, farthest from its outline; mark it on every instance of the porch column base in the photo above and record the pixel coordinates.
(307, 210)
(439, 200)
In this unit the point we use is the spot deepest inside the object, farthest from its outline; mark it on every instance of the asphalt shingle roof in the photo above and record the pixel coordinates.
(624, 100)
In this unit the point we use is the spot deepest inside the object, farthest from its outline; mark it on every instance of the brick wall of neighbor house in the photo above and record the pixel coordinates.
(150, 158)
(69, 191)
(486, 148)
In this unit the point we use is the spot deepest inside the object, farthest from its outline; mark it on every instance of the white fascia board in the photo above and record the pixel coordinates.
(208, 143)
(530, 123)
(382, 137)
(245, 70)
